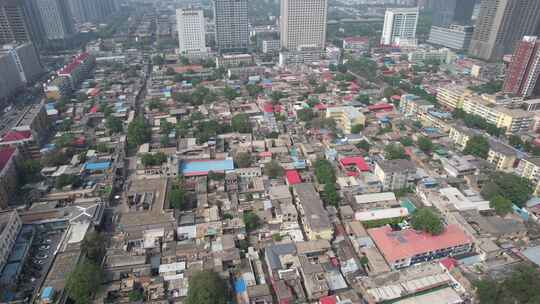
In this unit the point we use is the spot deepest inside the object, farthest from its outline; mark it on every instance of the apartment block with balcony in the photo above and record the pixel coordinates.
(451, 96)
(10, 225)
(529, 168)
(346, 117)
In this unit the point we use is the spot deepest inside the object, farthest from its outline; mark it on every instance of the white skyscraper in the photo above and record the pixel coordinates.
(303, 23)
(399, 26)
(191, 32)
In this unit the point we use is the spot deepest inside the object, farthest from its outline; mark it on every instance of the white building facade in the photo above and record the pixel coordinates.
(399, 26)
(191, 32)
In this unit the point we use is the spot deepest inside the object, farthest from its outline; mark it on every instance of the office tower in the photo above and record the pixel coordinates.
(522, 74)
(501, 24)
(399, 25)
(19, 22)
(26, 59)
(303, 23)
(56, 18)
(456, 37)
(446, 12)
(84, 11)
(231, 19)
(191, 32)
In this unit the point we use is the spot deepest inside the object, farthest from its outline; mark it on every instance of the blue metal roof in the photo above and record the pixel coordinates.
(97, 166)
(199, 166)
(240, 286)
(47, 293)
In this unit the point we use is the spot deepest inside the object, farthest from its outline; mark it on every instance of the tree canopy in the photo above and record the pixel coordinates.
(177, 196)
(425, 144)
(324, 171)
(83, 282)
(501, 205)
(252, 221)
(426, 220)
(522, 286)
(478, 146)
(330, 195)
(395, 151)
(93, 245)
(514, 188)
(207, 287)
(242, 159)
(240, 123)
(138, 132)
(153, 159)
(273, 169)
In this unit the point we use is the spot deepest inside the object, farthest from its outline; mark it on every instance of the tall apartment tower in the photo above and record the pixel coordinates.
(446, 12)
(303, 23)
(20, 22)
(501, 24)
(399, 25)
(191, 32)
(231, 22)
(57, 20)
(522, 74)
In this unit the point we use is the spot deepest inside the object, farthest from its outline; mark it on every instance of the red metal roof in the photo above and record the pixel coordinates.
(396, 245)
(364, 39)
(320, 106)
(448, 263)
(93, 109)
(75, 62)
(5, 155)
(16, 135)
(382, 106)
(356, 161)
(293, 177)
(328, 300)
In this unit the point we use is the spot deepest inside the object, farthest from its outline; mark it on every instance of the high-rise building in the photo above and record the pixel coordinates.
(522, 74)
(90, 10)
(446, 12)
(231, 21)
(19, 22)
(191, 32)
(56, 18)
(26, 59)
(456, 37)
(399, 26)
(501, 24)
(303, 23)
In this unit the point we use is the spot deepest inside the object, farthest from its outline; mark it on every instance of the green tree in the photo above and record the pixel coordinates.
(363, 98)
(355, 129)
(253, 89)
(510, 186)
(521, 286)
(364, 145)
(83, 282)
(157, 60)
(230, 93)
(305, 114)
(330, 195)
(426, 220)
(320, 89)
(478, 146)
(29, 171)
(114, 124)
(425, 144)
(501, 205)
(93, 245)
(276, 96)
(153, 159)
(395, 151)
(406, 141)
(272, 169)
(324, 171)
(242, 159)
(182, 97)
(252, 221)
(66, 180)
(177, 196)
(240, 123)
(515, 141)
(207, 287)
(135, 295)
(138, 132)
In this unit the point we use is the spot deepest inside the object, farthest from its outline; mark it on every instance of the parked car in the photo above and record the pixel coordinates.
(44, 247)
(41, 256)
(39, 262)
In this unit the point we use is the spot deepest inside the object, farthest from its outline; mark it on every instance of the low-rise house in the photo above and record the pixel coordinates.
(314, 217)
(395, 174)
